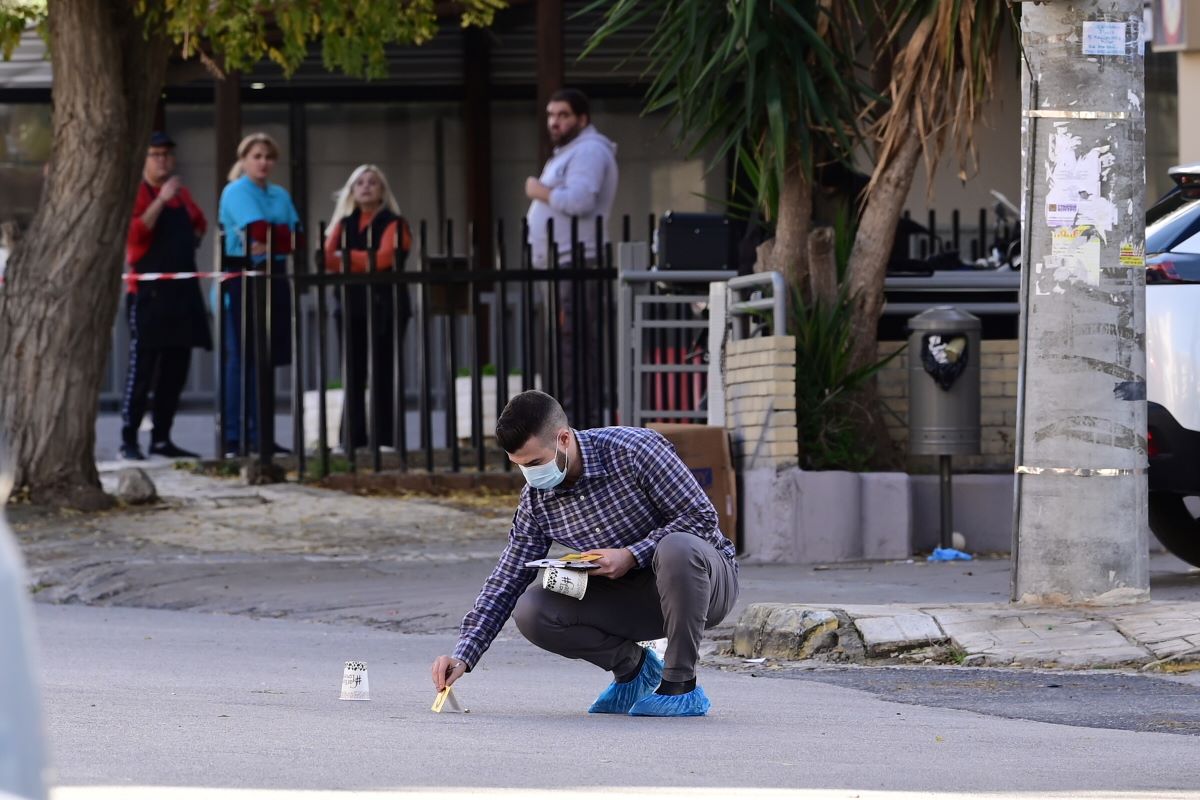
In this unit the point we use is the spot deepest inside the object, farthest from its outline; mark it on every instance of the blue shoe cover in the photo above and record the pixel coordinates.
(618, 698)
(693, 704)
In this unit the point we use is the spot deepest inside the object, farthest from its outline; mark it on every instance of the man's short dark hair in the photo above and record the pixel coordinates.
(527, 415)
(577, 100)
(161, 139)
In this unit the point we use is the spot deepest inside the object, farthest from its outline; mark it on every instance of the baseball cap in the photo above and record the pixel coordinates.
(160, 139)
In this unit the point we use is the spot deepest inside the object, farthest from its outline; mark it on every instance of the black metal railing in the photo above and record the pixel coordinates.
(551, 328)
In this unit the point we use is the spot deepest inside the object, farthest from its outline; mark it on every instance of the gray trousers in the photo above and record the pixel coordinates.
(689, 588)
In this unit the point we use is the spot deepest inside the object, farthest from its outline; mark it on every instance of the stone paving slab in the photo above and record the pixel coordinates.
(1166, 629)
(882, 635)
(989, 634)
(1033, 637)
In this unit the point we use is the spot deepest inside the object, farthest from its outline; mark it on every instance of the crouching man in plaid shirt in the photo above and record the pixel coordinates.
(665, 568)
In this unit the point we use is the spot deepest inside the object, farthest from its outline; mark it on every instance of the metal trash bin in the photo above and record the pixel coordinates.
(943, 383)
(943, 393)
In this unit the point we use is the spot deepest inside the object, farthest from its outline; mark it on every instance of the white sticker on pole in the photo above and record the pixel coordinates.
(1104, 38)
(1073, 195)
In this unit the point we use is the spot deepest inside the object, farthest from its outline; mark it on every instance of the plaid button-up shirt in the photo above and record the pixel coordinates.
(634, 490)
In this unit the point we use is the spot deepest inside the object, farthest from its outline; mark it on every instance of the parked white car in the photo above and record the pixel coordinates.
(22, 738)
(1173, 364)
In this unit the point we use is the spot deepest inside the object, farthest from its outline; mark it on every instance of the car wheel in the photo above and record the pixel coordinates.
(1175, 526)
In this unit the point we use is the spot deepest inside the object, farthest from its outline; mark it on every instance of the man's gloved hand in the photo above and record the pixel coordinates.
(446, 670)
(613, 563)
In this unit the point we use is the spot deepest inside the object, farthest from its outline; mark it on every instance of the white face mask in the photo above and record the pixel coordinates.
(548, 475)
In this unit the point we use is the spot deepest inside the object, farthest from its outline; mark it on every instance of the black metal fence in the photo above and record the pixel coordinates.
(552, 329)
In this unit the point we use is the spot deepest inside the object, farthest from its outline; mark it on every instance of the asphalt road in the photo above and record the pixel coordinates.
(1126, 701)
(179, 705)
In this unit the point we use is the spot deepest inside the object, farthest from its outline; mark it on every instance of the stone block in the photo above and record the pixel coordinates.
(760, 344)
(135, 487)
(758, 374)
(828, 522)
(769, 507)
(771, 358)
(892, 634)
(991, 417)
(782, 631)
(777, 389)
(991, 361)
(755, 404)
(752, 452)
(750, 627)
(1007, 375)
(740, 421)
(752, 435)
(886, 515)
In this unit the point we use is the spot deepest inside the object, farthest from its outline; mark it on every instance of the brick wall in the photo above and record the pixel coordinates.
(760, 401)
(998, 406)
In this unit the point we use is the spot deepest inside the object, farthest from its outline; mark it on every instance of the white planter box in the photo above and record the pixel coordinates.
(333, 418)
(462, 400)
(796, 517)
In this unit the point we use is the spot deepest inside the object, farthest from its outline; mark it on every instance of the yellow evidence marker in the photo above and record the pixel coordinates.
(439, 703)
(581, 557)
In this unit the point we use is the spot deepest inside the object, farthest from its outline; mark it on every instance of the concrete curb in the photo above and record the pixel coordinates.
(1152, 636)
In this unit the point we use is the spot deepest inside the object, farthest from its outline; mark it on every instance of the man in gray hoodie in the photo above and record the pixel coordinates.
(578, 182)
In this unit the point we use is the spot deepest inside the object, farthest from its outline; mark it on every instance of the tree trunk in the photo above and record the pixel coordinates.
(873, 245)
(787, 252)
(868, 269)
(63, 283)
(822, 267)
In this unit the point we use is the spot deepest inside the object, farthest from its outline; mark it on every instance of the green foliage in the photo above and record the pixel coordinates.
(353, 34)
(775, 83)
(15, 17)
(487, 370)
(829, 403)
(338, 465)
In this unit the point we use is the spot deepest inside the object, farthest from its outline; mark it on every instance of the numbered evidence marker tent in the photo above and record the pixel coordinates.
(354, 681)
(448, 703)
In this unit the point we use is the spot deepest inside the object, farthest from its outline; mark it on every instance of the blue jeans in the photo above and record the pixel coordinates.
(234, 372)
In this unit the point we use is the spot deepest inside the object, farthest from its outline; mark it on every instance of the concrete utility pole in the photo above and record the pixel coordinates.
(1081, 519)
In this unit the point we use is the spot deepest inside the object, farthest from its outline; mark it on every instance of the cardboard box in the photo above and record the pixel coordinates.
(705, 450)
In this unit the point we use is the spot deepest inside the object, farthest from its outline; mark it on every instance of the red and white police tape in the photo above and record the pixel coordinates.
(133, 278)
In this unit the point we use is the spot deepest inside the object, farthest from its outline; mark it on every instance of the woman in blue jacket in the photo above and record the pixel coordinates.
(260, 214)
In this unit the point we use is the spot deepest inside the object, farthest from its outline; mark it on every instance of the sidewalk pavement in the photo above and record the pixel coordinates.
(413, 564)
(1158, 635)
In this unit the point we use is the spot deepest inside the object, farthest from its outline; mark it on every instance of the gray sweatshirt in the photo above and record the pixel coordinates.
(582, 176)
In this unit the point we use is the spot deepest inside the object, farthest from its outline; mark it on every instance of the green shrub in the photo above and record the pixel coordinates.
(830, 407)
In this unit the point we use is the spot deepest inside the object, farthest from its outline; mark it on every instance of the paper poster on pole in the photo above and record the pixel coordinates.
(1075, 255)
(1103, 38)
(1074, 183)
(1133, 254)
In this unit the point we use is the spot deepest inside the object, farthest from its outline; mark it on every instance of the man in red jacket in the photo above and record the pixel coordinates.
(167, 318)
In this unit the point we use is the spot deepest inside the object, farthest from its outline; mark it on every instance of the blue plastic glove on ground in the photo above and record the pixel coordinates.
(949, 554)
(693, 704)
(618, 698)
